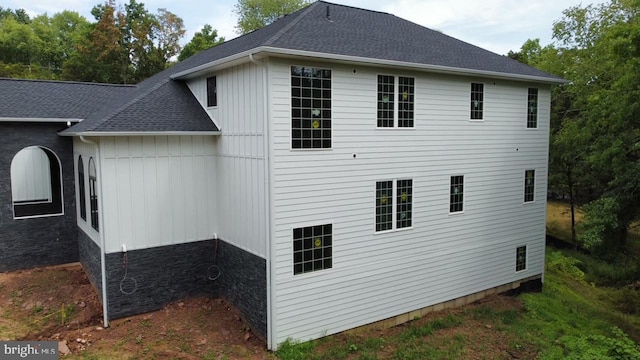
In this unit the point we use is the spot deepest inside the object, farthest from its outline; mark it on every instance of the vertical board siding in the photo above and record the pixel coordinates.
(240, 155)
(158, 190)
(443, 256)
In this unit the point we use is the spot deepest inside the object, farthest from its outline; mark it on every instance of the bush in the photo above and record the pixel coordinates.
(556, 261)
(616, 347)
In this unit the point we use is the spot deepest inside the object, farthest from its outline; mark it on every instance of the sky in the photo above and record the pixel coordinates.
(495, 25)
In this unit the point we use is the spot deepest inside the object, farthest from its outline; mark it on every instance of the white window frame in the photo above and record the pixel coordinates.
(464, 192)
(537, 112)
(394, 205)
(290, 97)
(333, 249)
(524, 188)
(396, 107)
(526, 258)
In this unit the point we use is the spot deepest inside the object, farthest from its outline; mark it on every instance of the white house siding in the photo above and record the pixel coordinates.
(240, 155)
(31, 175)
(158, 190)
(87, 151)
(444, 256)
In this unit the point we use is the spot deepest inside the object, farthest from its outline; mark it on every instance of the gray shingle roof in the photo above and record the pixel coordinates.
(55, 99)
(349, 31)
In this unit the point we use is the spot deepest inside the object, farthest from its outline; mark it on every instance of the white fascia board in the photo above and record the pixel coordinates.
(211, 66)
(424, 67)
(42, 120)
(141, 133)
(269, 51)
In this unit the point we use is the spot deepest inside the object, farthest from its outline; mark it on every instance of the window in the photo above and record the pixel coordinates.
(386, 95)
(529, 185)
(456, 194)
(81, 192)
(521, 258)
(384, 205)
(312, 248)
(212, 92)
(386, 212)
(477, 101)
(532, 108)
(386, 89)
(36, 183)
(93, 195)
(310, 108)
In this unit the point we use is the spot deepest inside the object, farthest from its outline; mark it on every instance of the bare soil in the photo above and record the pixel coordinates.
(59, 303)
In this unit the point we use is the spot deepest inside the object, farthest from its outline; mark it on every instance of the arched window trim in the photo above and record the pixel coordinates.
(42, 209)
(93, 195)
(82, 194)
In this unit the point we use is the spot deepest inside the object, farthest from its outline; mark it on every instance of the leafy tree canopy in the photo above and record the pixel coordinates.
(256, 14)
(202, 40)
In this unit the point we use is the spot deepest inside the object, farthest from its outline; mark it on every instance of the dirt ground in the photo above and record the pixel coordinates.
(59, 303)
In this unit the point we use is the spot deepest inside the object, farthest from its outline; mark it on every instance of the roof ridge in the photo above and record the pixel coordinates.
(355, 7)
(66, 82)
(282, 31)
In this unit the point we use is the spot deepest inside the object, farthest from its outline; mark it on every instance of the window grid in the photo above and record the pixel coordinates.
(529, 185)
(404, 198)
(312, 248)
(93, 195)
(477, 101)
(310, 108)
(81, 190)
(212, 92)
(456, 194)
(384, 205)
(406, 94)
(532, 108)
(521, 258)
(386, 89)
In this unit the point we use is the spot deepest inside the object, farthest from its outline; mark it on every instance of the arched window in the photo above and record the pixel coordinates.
(36, 183)
(82, 200)
(93, 195)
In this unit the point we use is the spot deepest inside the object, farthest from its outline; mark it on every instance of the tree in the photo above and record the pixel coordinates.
(202, 40)
(595, 142)
(126, 45)
(256, 14)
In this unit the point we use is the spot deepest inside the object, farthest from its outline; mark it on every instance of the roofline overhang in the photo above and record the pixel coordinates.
(265, 51)
(139, 133)
(42, 120)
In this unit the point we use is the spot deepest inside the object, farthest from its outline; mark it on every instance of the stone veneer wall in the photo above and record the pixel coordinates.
(90, 259)
(52, 240)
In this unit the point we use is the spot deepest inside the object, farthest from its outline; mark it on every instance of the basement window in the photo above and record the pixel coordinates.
(477, 101)
(521, 258)
(456, 194)
(82, 205)
(529, 185)
(93, 195)
(212, 92)
(388, 86)
(386, 212)
(310, 108)
(36, 183)
(312, 248)
(532, 108)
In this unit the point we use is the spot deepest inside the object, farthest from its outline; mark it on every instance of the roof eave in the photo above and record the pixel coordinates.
(416, 66)
(42, 120)
(139, 133)
(264, 51)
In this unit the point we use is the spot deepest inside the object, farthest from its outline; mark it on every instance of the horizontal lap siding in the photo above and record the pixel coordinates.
(158, 190)
(444, 256)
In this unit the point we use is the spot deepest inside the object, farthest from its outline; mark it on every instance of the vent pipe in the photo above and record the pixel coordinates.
(328, 13)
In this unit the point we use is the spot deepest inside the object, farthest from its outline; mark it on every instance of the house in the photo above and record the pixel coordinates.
(336, 168)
